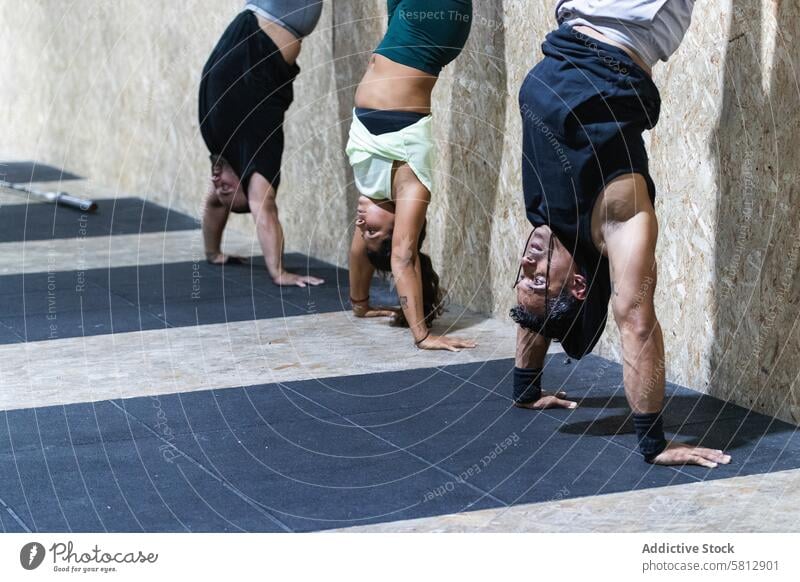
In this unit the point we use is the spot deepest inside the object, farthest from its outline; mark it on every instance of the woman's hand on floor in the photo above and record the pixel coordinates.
(364, 309)
(442, 342)
(287, 279)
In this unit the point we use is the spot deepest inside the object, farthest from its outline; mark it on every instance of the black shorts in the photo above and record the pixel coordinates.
(244, 93)
(584, 109)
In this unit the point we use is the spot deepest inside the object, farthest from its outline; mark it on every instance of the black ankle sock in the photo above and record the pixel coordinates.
(650, 431)
(527, 385)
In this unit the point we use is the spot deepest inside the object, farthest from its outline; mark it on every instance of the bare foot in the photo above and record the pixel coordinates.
(681, 454)
(293, 280)
(557, 400)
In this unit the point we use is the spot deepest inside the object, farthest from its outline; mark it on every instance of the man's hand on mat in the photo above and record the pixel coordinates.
(682, 454)
(442, 342)
(367, 310)
(287, 279)
(557, 400)
(223, 259)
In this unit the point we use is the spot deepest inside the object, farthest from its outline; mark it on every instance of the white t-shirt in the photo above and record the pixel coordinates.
(652, 28)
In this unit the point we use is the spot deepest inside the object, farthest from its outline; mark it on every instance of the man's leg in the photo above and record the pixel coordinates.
(261, 197)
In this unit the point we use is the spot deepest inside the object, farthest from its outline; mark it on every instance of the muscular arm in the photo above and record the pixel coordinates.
(531, 349)
(631, 247)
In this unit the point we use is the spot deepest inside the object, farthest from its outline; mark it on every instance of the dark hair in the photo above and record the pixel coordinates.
(217, 160)
(562, 311)
(432, 293)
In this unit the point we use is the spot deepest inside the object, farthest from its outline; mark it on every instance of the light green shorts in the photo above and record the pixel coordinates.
(372, 156)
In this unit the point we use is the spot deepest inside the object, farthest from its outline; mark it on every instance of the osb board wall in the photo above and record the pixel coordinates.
(725, 158)
(754, 357)
(109, 90)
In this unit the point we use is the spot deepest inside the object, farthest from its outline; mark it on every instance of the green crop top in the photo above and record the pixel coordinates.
(426, 34)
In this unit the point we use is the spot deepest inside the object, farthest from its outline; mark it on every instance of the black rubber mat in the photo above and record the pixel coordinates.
(24, 172)
(345, 451)
(23, 222)
(309, 455)
(62, 304)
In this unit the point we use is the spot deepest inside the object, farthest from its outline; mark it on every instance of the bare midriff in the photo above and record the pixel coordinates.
(390, 85)
(589, 31)
(287, 43)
